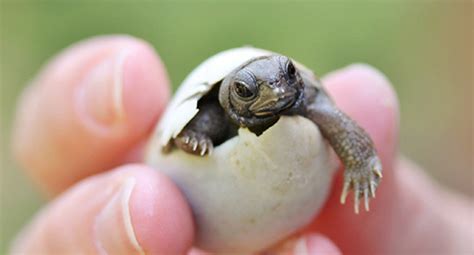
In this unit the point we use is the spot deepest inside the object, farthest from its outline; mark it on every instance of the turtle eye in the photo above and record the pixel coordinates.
(291, 70)
(243, 90)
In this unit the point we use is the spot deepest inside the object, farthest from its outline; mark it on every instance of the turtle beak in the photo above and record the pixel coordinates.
(272, 101)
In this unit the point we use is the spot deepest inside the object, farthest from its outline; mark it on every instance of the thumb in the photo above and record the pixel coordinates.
(130, 210)
(308, 244)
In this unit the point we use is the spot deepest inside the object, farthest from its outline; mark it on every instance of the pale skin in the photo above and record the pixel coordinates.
(88, 164)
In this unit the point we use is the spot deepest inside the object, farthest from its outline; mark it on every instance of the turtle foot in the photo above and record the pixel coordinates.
(194, 143)
(363, 181)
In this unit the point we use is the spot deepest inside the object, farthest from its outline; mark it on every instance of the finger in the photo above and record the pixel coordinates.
(130, 210)
(88, 108)
(413, 215)
(315, 244)
(307, 244)
(403, 217)
(366, 95)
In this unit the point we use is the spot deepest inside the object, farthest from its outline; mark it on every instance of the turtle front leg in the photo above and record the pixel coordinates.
(352, 144)
(208, 128)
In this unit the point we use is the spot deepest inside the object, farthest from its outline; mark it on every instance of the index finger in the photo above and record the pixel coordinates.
(88, 108)
(406, 216)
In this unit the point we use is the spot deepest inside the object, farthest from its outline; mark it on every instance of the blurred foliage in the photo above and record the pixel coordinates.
(424, 47)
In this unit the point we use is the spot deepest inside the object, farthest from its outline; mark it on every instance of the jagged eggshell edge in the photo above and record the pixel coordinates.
(253, 191)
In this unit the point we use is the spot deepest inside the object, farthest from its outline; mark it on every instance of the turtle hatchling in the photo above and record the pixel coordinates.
(247, 138)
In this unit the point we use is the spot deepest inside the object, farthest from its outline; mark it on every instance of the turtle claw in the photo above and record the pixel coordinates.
(356, 197)
(203, 148)
(206, 147)
(345, 191)
(366, 198)
(372, 189)
(363, 181)
(194, 143)
(210, 148)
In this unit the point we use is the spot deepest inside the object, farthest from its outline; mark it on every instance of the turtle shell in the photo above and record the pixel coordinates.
(199, 82)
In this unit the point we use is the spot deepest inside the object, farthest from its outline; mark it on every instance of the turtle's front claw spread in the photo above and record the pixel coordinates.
(363, 181)
(194, 143)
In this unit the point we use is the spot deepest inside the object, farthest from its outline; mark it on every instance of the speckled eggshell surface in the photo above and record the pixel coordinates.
(253, 191)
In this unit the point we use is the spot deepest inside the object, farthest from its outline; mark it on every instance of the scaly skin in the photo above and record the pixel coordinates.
(351, 143)
(210, 126)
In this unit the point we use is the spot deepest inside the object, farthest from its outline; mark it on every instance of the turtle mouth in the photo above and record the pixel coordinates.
(275, 106)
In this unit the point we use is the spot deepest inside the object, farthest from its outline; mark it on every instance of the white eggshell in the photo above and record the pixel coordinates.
(183, 107)
(253, 191)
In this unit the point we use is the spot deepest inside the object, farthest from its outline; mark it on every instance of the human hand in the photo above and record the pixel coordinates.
(85, 119)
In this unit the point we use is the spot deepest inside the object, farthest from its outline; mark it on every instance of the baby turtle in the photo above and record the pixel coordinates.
(251, 88)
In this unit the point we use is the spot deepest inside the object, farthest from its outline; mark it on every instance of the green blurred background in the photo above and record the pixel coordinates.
(424, 47)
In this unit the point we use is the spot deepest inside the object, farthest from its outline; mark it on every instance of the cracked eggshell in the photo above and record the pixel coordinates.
(198, 83)
(253, 191)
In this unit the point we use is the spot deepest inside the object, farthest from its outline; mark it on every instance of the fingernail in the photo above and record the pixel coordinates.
(315, 244)
(102, 90)
(301, 248)
(113, 229)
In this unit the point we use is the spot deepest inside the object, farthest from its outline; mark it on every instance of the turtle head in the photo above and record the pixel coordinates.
(260, 90)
